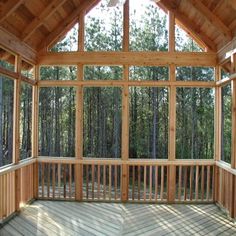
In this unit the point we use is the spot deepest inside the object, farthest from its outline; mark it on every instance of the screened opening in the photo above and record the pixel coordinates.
(104, 28)
(148, 27)
(103, 73)
(27, 70)
(58, 72)
(7, 59)
(148, 126)
(69, 42)
(25, 121)
(102, 122)
(195, 123)
(226, 123)
(6, 120)
(57, 122)
(193, 73)
(148, 73)
(184, 42)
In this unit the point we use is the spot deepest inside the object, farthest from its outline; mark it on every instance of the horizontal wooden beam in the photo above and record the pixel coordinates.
(13, 167)
(15, 75)
(129, 58)
(14, 44)
(110, 161)
(121, 83)
(225, 166)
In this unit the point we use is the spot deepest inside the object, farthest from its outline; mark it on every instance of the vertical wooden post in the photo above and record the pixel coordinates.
(172, 137)
(171, 31)
(233, 146)
(79, 118)
(35, 115)
(125, 111)
(16, 131)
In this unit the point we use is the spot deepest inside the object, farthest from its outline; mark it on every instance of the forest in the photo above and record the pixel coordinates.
(148, 106)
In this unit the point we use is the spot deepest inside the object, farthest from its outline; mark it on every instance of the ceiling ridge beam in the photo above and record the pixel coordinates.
(8, 8)
(66, 24)
(212, 18)
(39, 20)
(209, 44)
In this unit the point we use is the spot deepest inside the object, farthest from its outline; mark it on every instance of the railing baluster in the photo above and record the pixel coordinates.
(53, 180)
(191, 184)
(162, 182)
(208, 182)
(59, 179)
(133, 181)
(139, 180)
(104, 182)
(150, 182)
(202, 184)
(110, 182)
(196, 182)
(42, 180)
(115, 182)
(180, 183)
(92, 181)
(48, 180)
(156, 182)
(70, 180)
(185, 182)
(98, 176)
(87, 181)
(144, 182)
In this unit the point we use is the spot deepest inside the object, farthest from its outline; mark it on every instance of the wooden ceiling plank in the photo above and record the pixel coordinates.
(212, 18)
(209, 44)
(39, 20)
(8, 8)
(67, 23)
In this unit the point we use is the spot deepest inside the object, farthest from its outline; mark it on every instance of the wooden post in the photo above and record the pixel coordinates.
(125, 112)
(171, 31)
(172, 136)
(233, 146)
(81, 32)
(16, 131)
(35, 115)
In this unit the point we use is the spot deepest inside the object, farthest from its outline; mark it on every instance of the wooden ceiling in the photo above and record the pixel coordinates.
(35, 24)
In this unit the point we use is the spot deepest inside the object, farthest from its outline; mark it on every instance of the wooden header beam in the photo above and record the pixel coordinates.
(129, 58)
(14, 44)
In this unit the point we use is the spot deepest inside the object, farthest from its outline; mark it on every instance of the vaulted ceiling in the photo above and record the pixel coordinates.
(35, 24)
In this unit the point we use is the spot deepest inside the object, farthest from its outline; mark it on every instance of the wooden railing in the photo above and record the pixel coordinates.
(147, 180)
(225, 193)
(16, 187)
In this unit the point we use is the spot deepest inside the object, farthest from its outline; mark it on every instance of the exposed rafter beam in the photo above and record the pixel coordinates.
(14, 44)
(39, 20)
(212, 18)
(168, 4)
(8, 8)
(67, 23)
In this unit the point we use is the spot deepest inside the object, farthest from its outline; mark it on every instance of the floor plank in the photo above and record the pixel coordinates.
(73, 218)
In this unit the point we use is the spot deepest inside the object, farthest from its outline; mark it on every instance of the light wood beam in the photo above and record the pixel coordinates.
(40, 19)
(81, 32)
(171, 31)
(212, 18)
(233, 87)
(126, 27)
(16, 113)
(129, 58)
(188, 24)
(66, 24)
(14, 44)
(8, 8)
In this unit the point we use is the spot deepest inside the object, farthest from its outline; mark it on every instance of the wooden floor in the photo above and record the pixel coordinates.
(73, 218)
